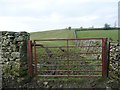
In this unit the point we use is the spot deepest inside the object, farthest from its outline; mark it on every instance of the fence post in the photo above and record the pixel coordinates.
(30, 58)
(104, 58)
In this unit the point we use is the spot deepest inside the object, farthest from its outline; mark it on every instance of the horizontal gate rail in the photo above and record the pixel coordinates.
(63, 46)
(74, 76)
(69, 71)
(54, 39)
(78, 60)
(74, 65)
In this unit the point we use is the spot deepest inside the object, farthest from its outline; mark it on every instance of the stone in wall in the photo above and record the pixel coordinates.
(13, 55)
(114, 66)
(0, 63)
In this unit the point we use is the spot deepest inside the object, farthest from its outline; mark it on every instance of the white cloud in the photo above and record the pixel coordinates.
(12, 24)
(55, 17)
(33, 15)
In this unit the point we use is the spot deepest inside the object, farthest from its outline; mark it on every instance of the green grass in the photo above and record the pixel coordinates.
(62, 33)
(80, 80)
(98, 34)
(52, 34)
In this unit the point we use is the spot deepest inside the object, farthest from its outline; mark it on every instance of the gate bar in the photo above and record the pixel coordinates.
(73, 65)
(70, 70)
(75, 76)
(70, 46)
(53, 39)
(30, 58)
(104, 59)
(35, 60)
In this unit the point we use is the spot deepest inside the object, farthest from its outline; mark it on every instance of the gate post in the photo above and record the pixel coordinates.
(108, 57)
(35, 60)
(30, 58)
(104, 58)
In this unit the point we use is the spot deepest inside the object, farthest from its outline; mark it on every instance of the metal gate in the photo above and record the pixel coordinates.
(85, 57)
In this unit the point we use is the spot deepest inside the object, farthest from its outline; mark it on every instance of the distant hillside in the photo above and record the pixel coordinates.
(52, 34)
(80, 34)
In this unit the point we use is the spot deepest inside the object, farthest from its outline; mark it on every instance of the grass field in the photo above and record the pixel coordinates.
(98, 34)
(52, 34)
(80, 34)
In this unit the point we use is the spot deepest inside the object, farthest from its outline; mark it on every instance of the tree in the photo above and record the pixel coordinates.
(69, 28)
(107, 26)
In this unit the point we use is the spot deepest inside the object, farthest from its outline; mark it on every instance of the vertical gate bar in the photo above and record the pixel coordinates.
(35, 60)
(108, 58)
(68, 58)
(103, 65)
(30, 58)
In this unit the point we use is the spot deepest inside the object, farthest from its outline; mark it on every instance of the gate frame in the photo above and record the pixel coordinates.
(105, 57)
(105, 60)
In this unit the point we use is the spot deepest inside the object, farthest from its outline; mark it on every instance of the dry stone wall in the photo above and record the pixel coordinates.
(0, 62)
(114, 65)
(13, 56)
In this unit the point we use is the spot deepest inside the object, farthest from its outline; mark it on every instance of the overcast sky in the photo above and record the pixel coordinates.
(41, 15)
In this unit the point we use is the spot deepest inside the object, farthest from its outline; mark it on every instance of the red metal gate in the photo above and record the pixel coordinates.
(85, 57)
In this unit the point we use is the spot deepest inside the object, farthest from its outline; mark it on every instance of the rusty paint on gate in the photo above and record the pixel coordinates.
(30, 58)
(104, 57)
(35, 59)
